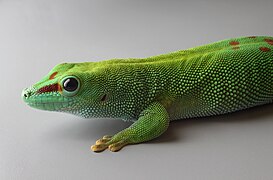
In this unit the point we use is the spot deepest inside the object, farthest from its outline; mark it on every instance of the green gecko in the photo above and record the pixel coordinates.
(217, 78)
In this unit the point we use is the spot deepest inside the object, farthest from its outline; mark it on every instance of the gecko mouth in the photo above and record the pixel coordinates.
(51, 101)
(50, 106)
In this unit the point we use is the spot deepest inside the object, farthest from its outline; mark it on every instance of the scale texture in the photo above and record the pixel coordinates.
(212, 79)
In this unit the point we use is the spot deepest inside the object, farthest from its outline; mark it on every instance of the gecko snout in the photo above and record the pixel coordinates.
(26, 93)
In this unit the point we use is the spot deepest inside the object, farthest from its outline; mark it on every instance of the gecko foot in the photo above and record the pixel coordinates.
(107, 142)
(152, 122)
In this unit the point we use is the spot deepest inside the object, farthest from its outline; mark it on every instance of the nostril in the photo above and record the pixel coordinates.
(26, 94)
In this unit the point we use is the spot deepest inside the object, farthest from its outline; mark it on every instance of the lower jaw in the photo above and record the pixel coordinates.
(53, 106)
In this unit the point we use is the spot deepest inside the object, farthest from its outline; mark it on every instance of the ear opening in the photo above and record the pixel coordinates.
(103, 98)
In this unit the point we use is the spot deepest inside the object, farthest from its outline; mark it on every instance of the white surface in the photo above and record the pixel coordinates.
(36, 35)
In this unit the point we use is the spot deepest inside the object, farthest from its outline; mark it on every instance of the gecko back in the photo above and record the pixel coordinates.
(229, 75)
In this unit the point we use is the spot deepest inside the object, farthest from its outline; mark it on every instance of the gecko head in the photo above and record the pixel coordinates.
(63, 89)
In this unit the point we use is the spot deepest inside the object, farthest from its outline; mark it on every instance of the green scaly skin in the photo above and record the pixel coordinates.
(213, 79)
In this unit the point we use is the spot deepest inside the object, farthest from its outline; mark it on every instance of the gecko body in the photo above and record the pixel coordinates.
(217, 78)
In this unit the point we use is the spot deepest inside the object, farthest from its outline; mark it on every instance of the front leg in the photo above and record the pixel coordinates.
(151, 123)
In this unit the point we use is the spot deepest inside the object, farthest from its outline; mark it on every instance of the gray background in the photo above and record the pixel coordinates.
(36, 35)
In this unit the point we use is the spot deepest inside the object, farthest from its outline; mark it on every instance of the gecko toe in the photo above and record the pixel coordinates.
(117, 146)
(107, 137)
(109, 142)
(98, 147)
(102, 141)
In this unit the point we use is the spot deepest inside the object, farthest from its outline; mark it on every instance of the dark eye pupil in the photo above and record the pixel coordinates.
(70, 84)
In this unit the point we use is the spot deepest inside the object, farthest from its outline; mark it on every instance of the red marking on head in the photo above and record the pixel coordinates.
(52, 76)
(236, 47)
(49, 88)
(59, 88)
(264, 49)
(252, 37)
(269, 41)
(234, 43)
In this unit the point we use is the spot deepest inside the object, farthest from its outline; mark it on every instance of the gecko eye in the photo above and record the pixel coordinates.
(70, 85)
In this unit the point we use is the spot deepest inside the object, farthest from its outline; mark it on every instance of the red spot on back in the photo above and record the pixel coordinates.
(269, 41)
(234, 43)
(264, 49)
(52, 76)
(252, 37)
(49, 88)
